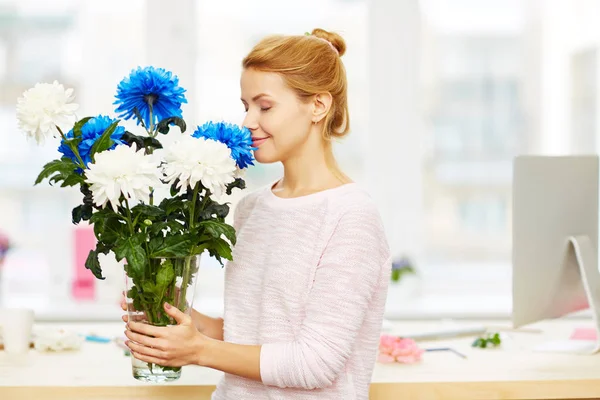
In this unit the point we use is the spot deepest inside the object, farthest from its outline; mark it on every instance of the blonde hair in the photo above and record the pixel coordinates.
(309, 64)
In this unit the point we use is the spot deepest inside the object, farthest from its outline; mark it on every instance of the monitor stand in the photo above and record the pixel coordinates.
(581, 263)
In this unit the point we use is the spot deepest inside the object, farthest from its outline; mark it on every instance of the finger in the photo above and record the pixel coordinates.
(145, 340)
(145, 350)
(150, 359)
(148, 330)
(125, 318)
(124, 305)
(177, 314)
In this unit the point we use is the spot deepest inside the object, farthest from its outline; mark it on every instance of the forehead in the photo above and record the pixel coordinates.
(255, 82)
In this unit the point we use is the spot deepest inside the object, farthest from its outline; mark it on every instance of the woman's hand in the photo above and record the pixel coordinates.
(125, 316)
(184, 344)
(211, 327)
(169, 346)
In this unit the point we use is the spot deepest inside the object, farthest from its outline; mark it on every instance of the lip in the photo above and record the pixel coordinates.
(257, 141)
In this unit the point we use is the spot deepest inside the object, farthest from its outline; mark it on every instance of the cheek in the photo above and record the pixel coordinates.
(287, 130)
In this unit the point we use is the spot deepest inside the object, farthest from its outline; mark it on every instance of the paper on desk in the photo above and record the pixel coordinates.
(568, 347)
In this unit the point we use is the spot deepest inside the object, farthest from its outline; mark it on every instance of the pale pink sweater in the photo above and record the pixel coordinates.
(308, 282)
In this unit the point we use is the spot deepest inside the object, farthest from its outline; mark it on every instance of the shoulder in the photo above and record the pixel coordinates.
(245, 205)
(355, 215)
(249, 200)
(355, 204)
(356, 237)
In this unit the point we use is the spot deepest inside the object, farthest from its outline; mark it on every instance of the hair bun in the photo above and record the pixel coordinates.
(336, 40)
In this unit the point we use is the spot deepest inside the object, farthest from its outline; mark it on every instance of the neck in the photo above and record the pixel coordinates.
(313, 169)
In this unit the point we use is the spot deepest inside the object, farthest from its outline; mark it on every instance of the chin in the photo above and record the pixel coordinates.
(266, 157)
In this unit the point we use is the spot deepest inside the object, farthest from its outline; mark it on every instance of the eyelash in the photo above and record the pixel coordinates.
(261, 109)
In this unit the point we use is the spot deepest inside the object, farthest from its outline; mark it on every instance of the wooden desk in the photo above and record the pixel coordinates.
(101, 371)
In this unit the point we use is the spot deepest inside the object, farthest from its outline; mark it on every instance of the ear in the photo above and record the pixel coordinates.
(321, 105)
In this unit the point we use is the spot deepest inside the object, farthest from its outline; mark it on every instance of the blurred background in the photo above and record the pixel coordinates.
(443, 94)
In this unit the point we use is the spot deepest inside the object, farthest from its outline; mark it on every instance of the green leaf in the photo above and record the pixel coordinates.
(219, 249)
(171, 205)
(100, 215)
(164, 277)
(137, 303)
(155, 243)
(80, 213)
(150, 142)
(63, 167)
(73, 142)
(172, 246)
(130, 139)
(93, 264)
(488, 340)
(149, 288)
(131, 272)
(172, 227)
(495, 339)
(238, 183)
(79, 125)
(60, 176)
(102, 248)
(164, 125)
(199, 249)
(112, 228)
(147, 210)
(104, 142)
(131, 249)
(217, 229)
(132, 293)
(216, 209)
(73, 179)
(141, 141)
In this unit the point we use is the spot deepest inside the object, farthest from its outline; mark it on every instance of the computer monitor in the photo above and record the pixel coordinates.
(555, 242)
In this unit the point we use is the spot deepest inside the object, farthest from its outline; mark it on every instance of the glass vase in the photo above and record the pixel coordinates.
(171, 280)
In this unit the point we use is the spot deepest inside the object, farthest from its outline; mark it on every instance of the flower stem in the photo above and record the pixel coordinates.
(205, 199)
(193, 206)
(73, 148)
(185, 283)
(130, 223)
(151, 131)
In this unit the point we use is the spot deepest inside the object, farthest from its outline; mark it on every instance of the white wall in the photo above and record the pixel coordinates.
(559, 29)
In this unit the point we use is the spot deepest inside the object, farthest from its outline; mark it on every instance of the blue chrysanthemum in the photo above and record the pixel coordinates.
(91, 131)
(238, 139)
(149, 86)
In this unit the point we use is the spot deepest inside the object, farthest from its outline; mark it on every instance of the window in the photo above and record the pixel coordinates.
(497, 78)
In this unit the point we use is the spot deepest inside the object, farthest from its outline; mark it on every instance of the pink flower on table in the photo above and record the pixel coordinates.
(4, 246)
(397, 349)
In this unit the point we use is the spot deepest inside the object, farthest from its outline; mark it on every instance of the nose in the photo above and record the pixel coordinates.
(250, 121)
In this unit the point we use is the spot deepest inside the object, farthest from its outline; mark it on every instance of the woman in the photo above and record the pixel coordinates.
(305, 293)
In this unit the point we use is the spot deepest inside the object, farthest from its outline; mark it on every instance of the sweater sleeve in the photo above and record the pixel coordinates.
(344, 282)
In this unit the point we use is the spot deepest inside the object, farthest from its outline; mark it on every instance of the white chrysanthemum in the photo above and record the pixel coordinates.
(198, 159)
(44, 107)
(123, 170)
(239, 173)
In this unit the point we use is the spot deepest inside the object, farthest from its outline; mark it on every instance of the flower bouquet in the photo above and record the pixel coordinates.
(121, 176)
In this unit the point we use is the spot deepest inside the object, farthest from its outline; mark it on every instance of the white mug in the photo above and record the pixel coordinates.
(17, 327)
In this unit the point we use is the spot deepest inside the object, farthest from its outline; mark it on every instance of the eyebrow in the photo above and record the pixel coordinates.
(258, 96)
